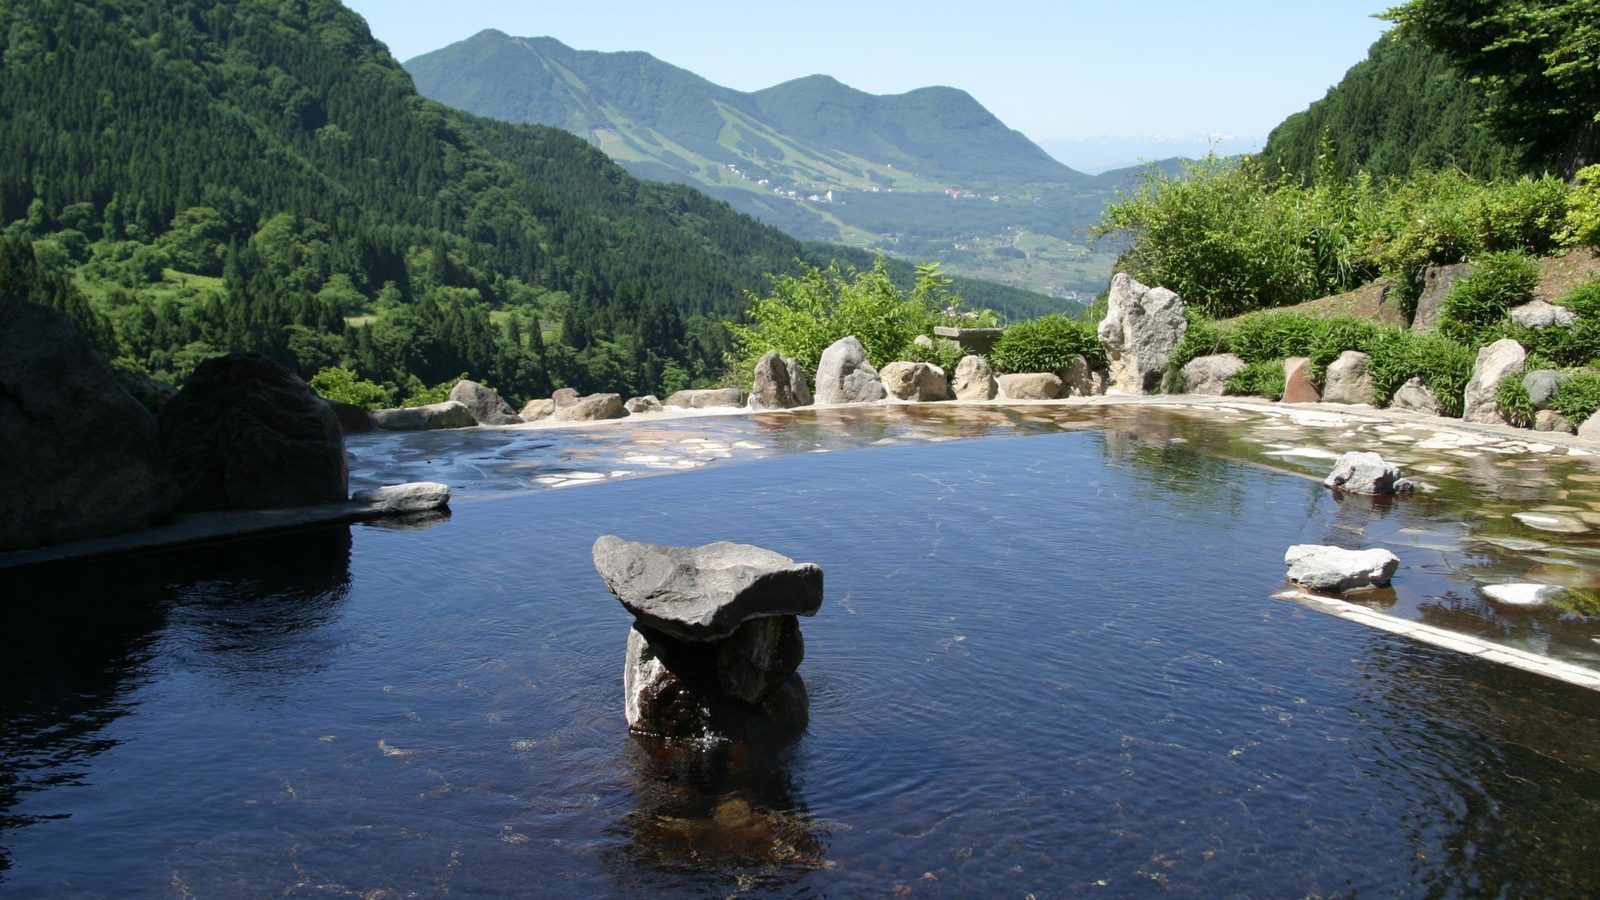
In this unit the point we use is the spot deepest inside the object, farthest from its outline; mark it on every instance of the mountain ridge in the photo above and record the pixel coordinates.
(929, 174)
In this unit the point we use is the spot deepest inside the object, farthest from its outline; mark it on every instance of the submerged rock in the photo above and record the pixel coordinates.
(1366, 473)
(449, 414)
(845, 376)
(974, 380)
(82, 456)
(485, 403)
(779, 383)
(1336, 570)
(1143, 325)
(915, 381)
(1521, 594)
(246, 433)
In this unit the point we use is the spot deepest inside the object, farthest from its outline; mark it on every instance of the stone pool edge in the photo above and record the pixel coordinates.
(1443, 639)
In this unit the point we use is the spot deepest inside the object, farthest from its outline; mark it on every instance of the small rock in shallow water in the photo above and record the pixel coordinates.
(417, 496)
(1521, 594)
(1335, 570)
(1366, 473)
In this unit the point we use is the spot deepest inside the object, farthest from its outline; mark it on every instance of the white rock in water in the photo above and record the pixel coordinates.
(1336, 570)
(416, 496)
(1521, 594)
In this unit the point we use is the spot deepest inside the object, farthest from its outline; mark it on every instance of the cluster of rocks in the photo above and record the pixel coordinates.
(1337, 570)
(715, 644)
(86, 459)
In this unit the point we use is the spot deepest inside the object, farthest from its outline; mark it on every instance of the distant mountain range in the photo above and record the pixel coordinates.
(929, 174)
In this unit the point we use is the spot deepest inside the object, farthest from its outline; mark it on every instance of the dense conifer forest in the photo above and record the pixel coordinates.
(190, 177)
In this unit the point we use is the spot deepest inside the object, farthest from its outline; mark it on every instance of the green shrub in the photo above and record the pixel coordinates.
(340, 385)
(1259, 379)
(1582, 227)
(1046, 345)
(1398, 356)
(418, 394)
(1575, 346)
(1477, 306)
(944, 355)
(1514, 400)
(1578, 397)
(1525, 214)
(802, 314)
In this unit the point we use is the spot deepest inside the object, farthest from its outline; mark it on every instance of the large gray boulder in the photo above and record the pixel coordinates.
(82, 456)
(1496, 361)
(1366, 473)
(646, 404)
(1079, 379)
(1540, 314)
(779, 383)
(1437, 281)
(590, 408)
(915, 381)
(485, 403)
(246, 433)
(1209, 375)
(1030, 386)
(1590, 429)
(534, 410)
(845, 376)
(1416, 396)
(706, 398)
(449, 414)
(705, 593)
(1335, 570)
(1346, 380)
(564, 397)
(1542, 385)
(1142, 327)
(974, 380)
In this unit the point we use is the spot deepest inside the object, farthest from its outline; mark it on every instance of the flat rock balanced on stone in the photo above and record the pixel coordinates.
(715, 642)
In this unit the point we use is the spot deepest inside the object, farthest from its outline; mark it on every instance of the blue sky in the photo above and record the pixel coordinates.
(1062, 70)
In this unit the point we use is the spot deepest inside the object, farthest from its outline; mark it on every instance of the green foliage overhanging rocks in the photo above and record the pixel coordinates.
(802, 314)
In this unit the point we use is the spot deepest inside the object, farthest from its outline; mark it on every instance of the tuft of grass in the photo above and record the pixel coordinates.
(1475, 312)
(1046, 344)
(1259, 379)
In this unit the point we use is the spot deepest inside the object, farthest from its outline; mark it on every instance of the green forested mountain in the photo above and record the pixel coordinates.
(1403, 107)
(926, 174)
(194, 176)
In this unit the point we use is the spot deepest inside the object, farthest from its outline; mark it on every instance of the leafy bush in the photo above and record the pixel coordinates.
(1575, 346)
(1578, 397)
(804, 313)
(1582, 228)
(1229, 240)
(1259, 379)
(1046, 345)
(418, 394)
(942, 354)
(1478, 304)
(340, 385)
(1514, 401)
(1398, 356)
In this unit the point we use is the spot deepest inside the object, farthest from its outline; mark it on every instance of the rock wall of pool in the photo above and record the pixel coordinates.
(1050, 662)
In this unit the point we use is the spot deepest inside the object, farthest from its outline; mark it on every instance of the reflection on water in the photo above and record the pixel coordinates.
(1048, 665)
